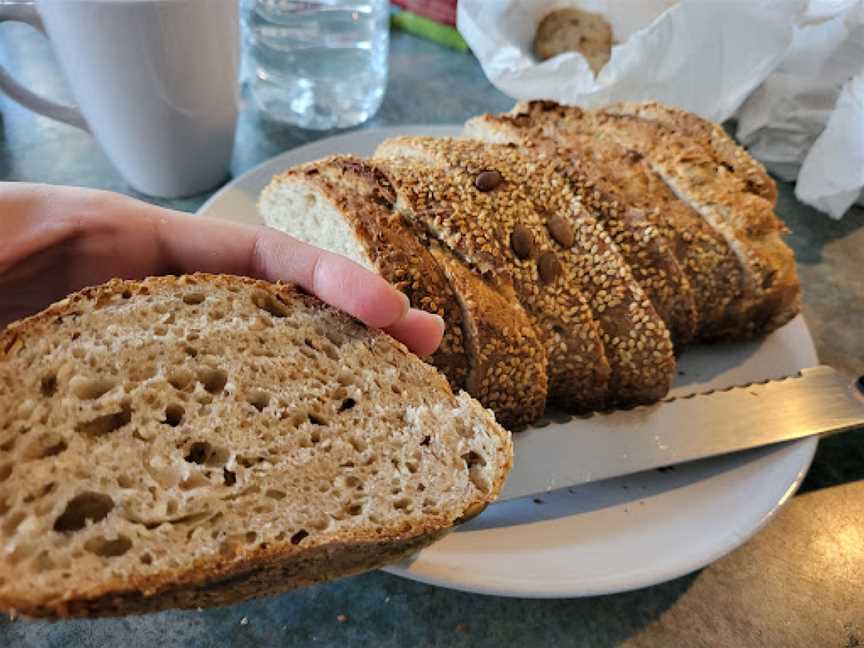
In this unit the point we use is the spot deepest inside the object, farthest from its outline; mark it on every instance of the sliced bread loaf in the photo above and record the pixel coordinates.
(346, 205)
(552, 247)
(193, 441)
(644, 246)
(770, 291)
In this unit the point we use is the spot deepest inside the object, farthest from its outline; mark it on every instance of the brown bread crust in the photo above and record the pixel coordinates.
(751, 172)
(508, 362)
(769, 293)
(532, 199)
(633, 227)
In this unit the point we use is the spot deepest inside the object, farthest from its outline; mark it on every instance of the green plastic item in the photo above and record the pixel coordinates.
(429, 29)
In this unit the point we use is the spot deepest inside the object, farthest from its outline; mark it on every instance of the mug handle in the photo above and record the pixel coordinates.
(67, 114)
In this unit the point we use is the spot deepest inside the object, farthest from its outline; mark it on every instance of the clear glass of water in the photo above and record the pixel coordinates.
(317, 64)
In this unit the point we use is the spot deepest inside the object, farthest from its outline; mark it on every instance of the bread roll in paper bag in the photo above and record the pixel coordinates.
(705, 56)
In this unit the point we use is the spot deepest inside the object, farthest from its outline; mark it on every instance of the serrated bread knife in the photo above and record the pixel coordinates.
(678, 430)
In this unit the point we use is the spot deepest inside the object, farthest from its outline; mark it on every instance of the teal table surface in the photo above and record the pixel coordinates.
(796, 583)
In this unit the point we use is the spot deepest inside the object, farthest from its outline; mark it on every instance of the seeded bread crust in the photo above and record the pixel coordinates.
(770, 291)
(476, 226)
(365, 197)
(534, 202)
(751, 172)
(632, 227)
(711, 266)
(508, 362)
(220, 577)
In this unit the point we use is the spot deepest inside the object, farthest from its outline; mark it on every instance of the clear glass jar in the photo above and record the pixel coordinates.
(317, 64)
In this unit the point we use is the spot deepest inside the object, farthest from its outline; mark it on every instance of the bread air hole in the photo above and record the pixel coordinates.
(347, 404)
(174, 415)
(259, 400)
(180, 379)
(86, 506)
(213, 380)
(5, 472)
(275, 494)
(298, 537)
(102, 546)
(90, 388)
(402, 504)
(107, 423)
(192, 298)
(47, 445)
(48, 385)
(202, 452)
(314, 419)
(267, 302)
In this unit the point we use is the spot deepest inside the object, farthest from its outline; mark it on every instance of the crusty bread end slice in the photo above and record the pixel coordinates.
(194, 441)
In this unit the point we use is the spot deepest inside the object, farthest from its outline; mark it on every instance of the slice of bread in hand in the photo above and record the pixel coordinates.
(193, 441)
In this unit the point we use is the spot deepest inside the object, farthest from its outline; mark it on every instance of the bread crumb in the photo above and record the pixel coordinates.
(244, 621)
(460, 627)
(341, 618)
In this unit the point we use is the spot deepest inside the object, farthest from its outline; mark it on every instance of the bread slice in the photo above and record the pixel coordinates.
(735, 158)
(566, 252)
(632, 227)
(194, 441)
(346, 205)
(770, 291)
(508, 365)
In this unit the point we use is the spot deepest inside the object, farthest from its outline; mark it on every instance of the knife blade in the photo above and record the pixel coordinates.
(817, 401)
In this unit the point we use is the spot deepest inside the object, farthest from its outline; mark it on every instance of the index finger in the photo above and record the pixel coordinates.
(190, 244)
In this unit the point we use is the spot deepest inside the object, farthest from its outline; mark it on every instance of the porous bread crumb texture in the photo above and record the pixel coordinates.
(557, 232)
(199, 440)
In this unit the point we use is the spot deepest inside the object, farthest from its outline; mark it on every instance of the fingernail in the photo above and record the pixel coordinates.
(406, 304)
(440, 321)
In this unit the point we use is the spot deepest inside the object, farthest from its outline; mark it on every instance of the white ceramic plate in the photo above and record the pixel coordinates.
(611, 536)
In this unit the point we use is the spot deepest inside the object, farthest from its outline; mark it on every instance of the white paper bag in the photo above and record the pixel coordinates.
(806, 121)
(705, 56)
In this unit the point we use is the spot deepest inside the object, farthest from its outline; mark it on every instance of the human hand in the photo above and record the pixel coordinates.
(56, 240)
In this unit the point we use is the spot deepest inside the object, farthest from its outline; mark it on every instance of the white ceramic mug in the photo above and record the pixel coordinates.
(156, 82)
